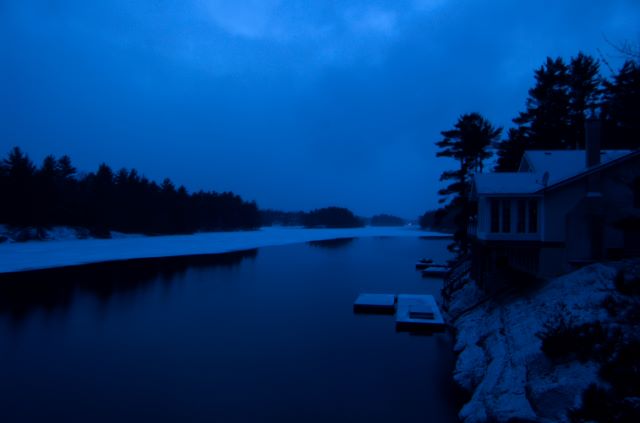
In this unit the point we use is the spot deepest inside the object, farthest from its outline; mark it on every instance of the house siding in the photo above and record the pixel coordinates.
(577, 223)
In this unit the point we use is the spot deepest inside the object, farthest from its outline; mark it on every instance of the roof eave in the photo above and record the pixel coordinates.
(590, 171)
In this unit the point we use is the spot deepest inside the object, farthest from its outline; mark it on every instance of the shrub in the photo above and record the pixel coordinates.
(612, 306)
(623, 370)
(561, 338)
(597, 405)
(601, 405)
(627, 284)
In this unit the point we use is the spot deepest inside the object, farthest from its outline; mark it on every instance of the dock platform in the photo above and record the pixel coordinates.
(375, 303)
(418, 312)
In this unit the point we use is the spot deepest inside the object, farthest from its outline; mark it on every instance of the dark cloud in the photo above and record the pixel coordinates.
(293, 103)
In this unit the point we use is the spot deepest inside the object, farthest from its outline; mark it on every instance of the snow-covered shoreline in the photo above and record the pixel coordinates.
(499, 358)
(34, 255)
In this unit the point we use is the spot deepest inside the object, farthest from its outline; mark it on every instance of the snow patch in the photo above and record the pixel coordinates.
(499, 357)
(15, 257)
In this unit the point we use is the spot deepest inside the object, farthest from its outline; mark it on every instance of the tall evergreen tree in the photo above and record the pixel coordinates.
(510, 151)
(467, 143)
(545, 123)
(585, 90)
(556, 109)
(621, 107)
(20, 182)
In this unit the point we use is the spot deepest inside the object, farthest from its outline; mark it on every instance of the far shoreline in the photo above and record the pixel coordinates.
(42, 255)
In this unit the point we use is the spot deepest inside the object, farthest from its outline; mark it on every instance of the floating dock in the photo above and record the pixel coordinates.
(375, 303)
(418, 312)
(413, 312)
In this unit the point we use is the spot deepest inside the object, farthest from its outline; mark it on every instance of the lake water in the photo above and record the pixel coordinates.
(260, 335)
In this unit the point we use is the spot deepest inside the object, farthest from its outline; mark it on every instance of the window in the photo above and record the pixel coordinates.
(521, 224)
(506, 216)
(495, 215)
(533, 216)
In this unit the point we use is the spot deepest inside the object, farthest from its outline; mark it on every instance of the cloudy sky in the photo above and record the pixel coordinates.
(296, 104)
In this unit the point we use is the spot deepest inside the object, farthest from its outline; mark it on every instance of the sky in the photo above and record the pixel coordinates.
(296, 104)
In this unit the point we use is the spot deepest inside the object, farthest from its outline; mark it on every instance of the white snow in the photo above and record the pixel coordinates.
(558, 164)
(507, 183)
(499, 357)
(562, 164)
(48, 254)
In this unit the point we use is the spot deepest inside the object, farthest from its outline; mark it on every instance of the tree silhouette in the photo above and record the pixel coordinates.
(621, 107)
(545, 123)
(510, 151)
(19, 185)
(103, 202)
(558, 104)
(467, 143)
(585, 90)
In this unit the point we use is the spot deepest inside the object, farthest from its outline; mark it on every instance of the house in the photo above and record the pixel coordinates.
(562, 209)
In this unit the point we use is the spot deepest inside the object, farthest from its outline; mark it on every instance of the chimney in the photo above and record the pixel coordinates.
(592, 131)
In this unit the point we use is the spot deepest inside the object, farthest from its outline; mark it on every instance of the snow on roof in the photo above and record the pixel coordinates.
(507, 183)
(562, 164)
(559, 164)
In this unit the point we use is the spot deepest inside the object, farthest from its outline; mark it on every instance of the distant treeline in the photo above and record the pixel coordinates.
(439, 220)
(328, 217)
(387, 220)
(54, 194)
(270, 217)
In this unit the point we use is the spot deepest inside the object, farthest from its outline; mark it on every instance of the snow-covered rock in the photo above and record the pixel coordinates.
(499, 357)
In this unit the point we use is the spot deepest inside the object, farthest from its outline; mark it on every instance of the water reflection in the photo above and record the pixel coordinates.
(231, 338)
(54, 290)
(331, 243)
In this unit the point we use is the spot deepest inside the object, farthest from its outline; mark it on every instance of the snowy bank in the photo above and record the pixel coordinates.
(34, 255)
(500, 362)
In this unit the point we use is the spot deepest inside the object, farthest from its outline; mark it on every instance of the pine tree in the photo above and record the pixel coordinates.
(562, 97)
(20, 196)
(510, 151)
(467, 143)
(621, 107)
(545, 123)
(585, 89)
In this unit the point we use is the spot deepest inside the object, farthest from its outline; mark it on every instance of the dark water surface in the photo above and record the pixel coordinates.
(261, 335)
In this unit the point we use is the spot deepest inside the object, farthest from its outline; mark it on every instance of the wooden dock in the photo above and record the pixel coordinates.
(418, 312)
(413, 312)
(375, 303)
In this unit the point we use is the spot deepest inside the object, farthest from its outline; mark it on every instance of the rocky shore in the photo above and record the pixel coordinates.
(499, 343)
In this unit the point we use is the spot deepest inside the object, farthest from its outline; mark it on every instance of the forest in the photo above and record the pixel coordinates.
(327, 217)
(54, 193)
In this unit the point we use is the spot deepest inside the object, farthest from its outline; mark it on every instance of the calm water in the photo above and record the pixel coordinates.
(262, 335)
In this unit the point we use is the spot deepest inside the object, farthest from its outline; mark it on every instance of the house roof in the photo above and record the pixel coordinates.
(507, 183)
(560, 165)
